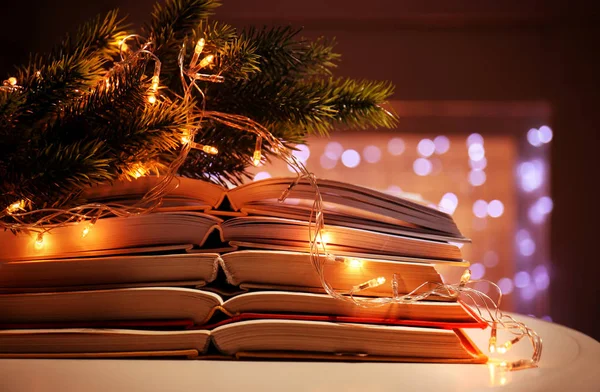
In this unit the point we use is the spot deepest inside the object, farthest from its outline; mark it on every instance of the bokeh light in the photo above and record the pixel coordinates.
(426, 147)
(477, 271)
(351, 158)
(477, 177)
(505, 285)
(442, 144)
(495, 208)
(528, 292)
(448, 203)
(474, 138)
(544, 205)
(478, 165)
(522, 279)
(541, 278)
(545, 134)
(302, 152)
(533, 137)
(535, 216)
(476, 152)
(334, 150)
(531, 175)
(327, 162)
(480, 208)
(372, 154)
(396, 146)
(526, 247)
(422, 166)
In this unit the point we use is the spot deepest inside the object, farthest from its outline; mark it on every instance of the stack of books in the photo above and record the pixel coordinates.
(216, 273)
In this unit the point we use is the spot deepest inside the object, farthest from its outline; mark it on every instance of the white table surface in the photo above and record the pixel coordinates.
(570, 362)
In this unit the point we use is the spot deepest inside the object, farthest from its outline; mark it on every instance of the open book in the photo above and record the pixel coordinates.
(205, 231)
(290, 339)
(170, 307)
(344, 204)
(248, 269)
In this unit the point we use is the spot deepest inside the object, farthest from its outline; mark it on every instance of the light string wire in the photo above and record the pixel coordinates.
(487, 309)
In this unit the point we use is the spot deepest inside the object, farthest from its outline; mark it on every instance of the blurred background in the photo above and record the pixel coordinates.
(498, 106)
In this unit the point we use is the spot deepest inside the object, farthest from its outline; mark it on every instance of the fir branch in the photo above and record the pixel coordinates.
(314, 106)
(98, 37)
(358, 102)
(216, 34)
(283, 56)
(63, 131)
(154, 130)
(236, 56)
(171, 23)
(47, 87)
(72, 67)
(57, 173)
(95, 114)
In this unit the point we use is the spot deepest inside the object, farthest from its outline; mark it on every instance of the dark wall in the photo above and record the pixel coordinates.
(465, 50)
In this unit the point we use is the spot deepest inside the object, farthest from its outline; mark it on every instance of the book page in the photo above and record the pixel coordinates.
(137, 231)
(113, 270)
(180, 188)
(128, 304)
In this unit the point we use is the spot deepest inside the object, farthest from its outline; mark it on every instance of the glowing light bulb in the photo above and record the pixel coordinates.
(107, 83)
(206, 61)
(86, 230)
(353, 263)
(16, 206)
(199, 46)
(122, 45)
(39, 241)
(323, 238)
(152, 98)
(369, 284)
(492, 341)
(138, 171)
(12, 81)
(155, 81)
(256, 157)
(210, 150)
(466, 276)
(197, 50)
(504, 348)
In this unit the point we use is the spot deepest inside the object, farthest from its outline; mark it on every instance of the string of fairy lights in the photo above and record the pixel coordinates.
(17, 216)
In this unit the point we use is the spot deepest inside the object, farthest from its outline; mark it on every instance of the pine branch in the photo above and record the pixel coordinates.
(57, 174)
(171, 23)
(98, 37)
(283, 56)
(235, 57)
(64, 131)
(74, 66)
(313, 107)
(154, 130)
(94, 114)
(356, 103)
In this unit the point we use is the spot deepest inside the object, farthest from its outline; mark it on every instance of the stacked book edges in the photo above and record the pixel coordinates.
(216, 273)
